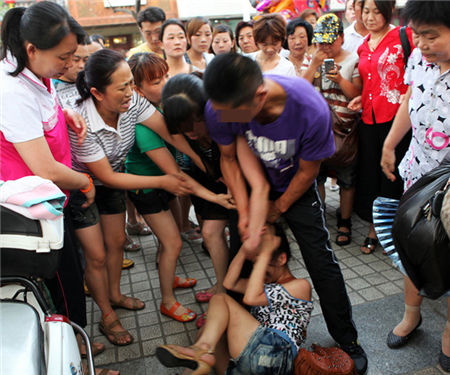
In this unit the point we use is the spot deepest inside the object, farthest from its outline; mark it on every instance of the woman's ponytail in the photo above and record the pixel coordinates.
(12, 40)
(82, 87)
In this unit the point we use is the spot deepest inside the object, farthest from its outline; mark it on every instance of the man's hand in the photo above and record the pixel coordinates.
(76, 123)
(274, 212)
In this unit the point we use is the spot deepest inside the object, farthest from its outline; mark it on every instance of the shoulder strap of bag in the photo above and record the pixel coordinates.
(405, 43)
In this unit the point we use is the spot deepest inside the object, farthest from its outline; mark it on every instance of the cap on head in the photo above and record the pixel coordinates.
(328, 29)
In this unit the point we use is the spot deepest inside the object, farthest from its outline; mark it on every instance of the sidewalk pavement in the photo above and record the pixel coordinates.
(373, 285)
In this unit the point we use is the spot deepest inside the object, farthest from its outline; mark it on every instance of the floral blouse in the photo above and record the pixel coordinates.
(382, 73)
(429, 111)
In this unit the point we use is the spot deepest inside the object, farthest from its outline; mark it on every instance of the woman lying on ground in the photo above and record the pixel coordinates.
(275, 328)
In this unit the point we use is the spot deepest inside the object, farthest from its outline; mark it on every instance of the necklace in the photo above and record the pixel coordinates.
(373, 43)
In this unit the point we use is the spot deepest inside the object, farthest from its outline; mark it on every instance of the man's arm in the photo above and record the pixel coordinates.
(237, 161)
(259, 195)
(300, 183)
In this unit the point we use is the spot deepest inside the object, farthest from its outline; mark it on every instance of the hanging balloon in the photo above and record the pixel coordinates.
(283, 5)
(319, 6)
(264, 5)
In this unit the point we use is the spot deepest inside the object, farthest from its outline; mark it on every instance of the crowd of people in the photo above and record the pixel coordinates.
(243, 127)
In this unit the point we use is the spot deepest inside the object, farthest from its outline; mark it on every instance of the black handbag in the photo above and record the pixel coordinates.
(419, 236)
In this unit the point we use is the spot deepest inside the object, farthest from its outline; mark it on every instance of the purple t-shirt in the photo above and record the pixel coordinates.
(303, 131)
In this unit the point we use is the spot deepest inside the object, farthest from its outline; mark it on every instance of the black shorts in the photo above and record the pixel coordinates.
(206, 209)
(152, 202)
(107, 202)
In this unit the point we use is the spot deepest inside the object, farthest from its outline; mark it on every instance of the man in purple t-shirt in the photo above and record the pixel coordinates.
(273, 132)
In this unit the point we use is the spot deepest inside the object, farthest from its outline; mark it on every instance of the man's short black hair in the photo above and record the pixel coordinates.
(232, 79)
(152, 15)
(427, 12)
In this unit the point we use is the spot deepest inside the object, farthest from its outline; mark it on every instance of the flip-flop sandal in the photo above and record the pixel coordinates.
(188, 283)
(169, 356)
(127, 263)
(97, 348)
(116, 335)
(371, 244)
(188, 316)
(203, 296)
(122, 305)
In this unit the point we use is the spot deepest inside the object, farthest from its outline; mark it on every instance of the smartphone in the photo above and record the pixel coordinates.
(329, 65)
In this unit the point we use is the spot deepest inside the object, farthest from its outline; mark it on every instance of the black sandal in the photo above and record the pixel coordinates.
(343, 223)
(371, 244)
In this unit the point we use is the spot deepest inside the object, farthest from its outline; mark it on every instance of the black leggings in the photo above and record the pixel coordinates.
(371, 182)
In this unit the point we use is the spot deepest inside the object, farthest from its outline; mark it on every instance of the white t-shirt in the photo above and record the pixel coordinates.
(27, 106)
(284, 67)
(352, 39)
(103, 140)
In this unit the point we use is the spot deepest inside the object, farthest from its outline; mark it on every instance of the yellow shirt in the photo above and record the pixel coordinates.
(142, 48)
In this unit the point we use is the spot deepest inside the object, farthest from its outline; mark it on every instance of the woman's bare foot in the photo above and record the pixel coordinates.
(115, 332)
(190, 351)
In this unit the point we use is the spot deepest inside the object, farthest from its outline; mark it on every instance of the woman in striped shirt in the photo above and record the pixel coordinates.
(111, 109)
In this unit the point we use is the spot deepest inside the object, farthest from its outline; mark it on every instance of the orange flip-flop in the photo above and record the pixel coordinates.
(189, 283)
(188, 316)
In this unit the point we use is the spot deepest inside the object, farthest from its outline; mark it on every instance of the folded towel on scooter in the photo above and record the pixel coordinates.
(33, 197)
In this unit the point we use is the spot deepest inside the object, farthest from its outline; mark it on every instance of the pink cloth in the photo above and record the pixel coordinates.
(12, 167)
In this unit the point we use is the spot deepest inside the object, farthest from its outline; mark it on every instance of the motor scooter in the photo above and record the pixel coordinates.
(34, 340)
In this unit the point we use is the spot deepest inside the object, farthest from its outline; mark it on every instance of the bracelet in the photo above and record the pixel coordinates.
(91, 184)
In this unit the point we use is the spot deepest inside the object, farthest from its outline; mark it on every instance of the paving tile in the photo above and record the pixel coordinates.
(392, 274)
(129, 352)
(108, 356)
(149, 347)
(355, 298)
(349, 274)
(150, 332)
(358, 283)
(351, 262)
(375, 278)
(371, 293)
(363, 270)
(380, 266)
(389, 288)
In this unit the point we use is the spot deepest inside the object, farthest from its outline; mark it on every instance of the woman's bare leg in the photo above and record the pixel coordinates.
(214, 237)
(96, 273)
(164, 227)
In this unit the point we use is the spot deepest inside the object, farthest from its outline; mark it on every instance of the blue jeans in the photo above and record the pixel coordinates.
(266, 352)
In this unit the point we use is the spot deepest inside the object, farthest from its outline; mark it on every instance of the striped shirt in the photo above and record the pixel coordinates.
(104, 141)
(67, 93)
(332, 92)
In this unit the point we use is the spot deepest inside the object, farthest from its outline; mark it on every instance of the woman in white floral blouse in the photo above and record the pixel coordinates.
(426, 109)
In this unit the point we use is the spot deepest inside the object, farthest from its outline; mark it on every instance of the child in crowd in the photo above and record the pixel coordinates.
(263, 341)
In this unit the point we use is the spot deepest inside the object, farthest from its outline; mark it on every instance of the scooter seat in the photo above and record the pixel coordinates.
(21, 338)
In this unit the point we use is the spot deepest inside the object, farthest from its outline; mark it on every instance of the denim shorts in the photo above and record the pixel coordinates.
(265, 353)
(107, 202)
